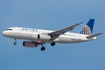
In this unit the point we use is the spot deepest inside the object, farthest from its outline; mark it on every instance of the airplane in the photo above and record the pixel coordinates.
(37, 37)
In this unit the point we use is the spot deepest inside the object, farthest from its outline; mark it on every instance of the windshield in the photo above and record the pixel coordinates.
(9, 29)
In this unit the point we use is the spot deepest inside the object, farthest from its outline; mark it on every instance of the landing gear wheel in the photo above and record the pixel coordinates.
(15, 43)
(52, 44)
(43, 48)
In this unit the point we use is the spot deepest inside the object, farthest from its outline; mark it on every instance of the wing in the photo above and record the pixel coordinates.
(56, 34)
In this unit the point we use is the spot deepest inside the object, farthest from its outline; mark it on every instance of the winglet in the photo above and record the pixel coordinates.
(91, 36)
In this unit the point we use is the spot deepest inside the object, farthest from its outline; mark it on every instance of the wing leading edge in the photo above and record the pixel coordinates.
(56, 34)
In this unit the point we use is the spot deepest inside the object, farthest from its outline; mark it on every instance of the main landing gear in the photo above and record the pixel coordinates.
(15, 41)
(43, 48)
(53, 43)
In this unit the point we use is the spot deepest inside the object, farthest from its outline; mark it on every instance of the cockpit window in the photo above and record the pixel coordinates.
(9, 29)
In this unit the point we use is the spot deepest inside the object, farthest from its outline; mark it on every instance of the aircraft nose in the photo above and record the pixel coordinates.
(3, 33)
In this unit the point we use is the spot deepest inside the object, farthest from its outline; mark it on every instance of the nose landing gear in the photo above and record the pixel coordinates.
(15, 41)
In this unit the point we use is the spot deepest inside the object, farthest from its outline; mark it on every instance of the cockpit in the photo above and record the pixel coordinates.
(9, 29)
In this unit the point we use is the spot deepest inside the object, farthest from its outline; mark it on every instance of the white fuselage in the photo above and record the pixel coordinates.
(32, 35)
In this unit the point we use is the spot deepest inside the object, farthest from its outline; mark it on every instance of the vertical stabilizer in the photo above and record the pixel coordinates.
(88, 28)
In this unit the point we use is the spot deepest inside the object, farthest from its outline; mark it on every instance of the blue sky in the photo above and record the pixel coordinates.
(52, 15)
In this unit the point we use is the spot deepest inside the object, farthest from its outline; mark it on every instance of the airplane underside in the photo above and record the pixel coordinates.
(32, 42)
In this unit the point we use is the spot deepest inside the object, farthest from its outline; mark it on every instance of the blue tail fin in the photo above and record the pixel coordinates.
(88, 28)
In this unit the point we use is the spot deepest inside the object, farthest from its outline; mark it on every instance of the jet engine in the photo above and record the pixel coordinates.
(44, 37)
(29, 44)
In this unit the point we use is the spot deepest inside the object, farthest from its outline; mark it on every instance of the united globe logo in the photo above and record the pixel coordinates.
(86, 30)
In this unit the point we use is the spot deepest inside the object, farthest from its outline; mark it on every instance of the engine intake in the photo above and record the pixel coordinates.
(29, 44)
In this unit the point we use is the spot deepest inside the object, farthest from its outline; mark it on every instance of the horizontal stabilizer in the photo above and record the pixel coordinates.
(91, 36)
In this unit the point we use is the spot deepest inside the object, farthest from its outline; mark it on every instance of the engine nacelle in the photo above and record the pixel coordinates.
(44, 37)
(29, 44)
